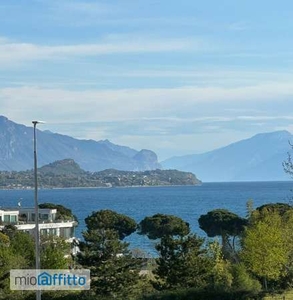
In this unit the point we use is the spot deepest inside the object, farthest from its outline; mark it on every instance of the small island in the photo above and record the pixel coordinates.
(68, 174)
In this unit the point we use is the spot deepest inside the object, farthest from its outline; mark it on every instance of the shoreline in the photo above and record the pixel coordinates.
(99, 187)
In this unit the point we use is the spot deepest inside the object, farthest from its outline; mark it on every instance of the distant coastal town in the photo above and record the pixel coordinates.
(67, 174)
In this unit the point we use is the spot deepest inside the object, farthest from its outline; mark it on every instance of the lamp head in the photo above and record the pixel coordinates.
(38, 122)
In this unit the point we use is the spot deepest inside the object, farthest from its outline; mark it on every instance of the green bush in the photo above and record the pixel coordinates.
(205, 294)
(242, 281)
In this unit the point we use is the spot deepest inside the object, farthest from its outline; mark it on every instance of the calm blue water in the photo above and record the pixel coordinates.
(186, 202)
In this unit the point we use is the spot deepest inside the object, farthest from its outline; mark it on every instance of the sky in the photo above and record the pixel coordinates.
(176, 77)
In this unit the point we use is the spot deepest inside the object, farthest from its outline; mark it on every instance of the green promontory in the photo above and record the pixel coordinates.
(67, 173)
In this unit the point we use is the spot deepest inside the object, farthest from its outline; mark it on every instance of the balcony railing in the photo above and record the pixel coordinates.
(20, 222)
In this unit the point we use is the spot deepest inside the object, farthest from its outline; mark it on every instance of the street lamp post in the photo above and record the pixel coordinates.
(37, 232)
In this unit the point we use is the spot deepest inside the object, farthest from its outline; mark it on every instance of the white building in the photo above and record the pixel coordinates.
(24, 219)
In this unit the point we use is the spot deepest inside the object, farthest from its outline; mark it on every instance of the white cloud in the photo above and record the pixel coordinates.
(150, 118)
(265, 118)
(82, 78)
(113, 105)
(11, 52)
(3, 40)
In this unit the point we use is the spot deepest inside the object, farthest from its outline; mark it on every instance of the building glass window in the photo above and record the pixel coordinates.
(13, 219)
(44, 216)
(66, 232)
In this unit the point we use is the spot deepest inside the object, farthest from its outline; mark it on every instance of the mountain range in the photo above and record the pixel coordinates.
(258, 158)
(16, 151)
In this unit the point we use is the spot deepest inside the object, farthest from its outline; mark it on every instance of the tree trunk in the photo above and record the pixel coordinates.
(265, 283)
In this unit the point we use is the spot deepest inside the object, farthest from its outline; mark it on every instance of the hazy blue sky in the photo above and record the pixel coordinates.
(177, 77)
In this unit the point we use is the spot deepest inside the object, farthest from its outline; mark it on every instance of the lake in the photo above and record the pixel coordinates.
(186, 202)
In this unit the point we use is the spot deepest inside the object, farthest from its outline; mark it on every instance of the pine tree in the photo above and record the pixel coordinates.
(114, 271)
(183, 263)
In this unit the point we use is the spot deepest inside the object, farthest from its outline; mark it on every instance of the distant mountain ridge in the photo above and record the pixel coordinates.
(258, 158)
(16, 151)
